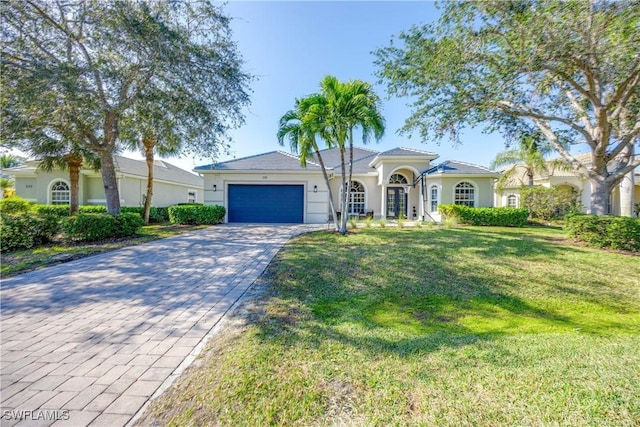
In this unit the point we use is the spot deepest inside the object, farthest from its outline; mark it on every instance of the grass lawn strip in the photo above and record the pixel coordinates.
(462, 326)
(55, 253)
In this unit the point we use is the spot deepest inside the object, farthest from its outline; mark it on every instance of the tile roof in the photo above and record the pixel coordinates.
(274, 160)
(161, 171)
(401, 151)
(453, 167)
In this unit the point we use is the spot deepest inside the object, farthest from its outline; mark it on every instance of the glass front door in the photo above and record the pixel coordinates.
(396, 202)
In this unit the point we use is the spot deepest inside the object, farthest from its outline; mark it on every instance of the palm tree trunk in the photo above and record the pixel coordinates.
(530, 176)
(343, 195)
(350, 168)
(74, 163)
(332, 205)
(149, 144)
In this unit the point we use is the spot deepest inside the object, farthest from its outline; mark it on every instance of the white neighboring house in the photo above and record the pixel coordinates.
(621, 201)
(274, 188)
(171, 185)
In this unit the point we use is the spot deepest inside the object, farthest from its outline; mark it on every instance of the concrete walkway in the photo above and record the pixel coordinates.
(90, 341)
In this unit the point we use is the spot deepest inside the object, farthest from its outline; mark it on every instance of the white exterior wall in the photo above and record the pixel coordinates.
(316, 204)
(372, 192)
(27, 188)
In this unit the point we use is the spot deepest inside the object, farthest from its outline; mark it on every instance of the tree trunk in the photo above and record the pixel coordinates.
(600, 192)
(343, 195)
(148, 144)
(332, 205)
(74, 163)
(110, 182)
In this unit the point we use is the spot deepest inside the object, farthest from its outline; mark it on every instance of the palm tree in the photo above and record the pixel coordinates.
(10, 161)
(152, 129)
(301, 127)
(349, 105)
(530, 155)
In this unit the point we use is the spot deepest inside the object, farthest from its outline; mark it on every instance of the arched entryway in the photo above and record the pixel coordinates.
(397, 196)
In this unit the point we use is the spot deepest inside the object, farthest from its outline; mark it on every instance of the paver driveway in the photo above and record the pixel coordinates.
(90, 341)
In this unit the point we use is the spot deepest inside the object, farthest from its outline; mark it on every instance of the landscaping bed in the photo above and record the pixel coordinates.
(61, 250)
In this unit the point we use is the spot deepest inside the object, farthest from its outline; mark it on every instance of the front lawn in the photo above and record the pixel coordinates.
(21, 261)
(446, 327)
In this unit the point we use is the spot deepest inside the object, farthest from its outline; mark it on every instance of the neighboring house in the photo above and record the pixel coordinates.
(621, 200)
(274, 188)
(171, 185)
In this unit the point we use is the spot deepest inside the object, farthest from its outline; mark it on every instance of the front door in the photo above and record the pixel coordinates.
(396, 202)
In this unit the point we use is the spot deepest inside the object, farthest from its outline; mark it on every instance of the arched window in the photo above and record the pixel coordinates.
(357, 198)
(397, 178)
(434, 198)
(60, 193)
(512, 201)
(464, 194)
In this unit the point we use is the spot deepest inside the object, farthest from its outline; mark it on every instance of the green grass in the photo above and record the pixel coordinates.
(447, 327)
(17, 262)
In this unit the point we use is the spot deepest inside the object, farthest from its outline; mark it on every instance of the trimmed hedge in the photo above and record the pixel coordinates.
(500, 217)
(196, 214)
(155, 214)
(25, 230)
(99, 226)
(13, 205)
(616, 232)
(62, 211)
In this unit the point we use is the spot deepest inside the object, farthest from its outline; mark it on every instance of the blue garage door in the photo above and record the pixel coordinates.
(266, 203)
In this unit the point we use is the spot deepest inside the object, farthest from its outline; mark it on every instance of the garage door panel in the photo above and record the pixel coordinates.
(266, 203)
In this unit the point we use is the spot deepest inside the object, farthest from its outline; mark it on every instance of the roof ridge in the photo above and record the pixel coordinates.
(470, 164)
(416, 150)
(293, 156)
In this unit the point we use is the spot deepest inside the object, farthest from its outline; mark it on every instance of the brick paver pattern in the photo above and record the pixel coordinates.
(90, 341)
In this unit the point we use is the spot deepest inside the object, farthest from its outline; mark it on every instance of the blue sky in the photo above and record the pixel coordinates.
(291, 46)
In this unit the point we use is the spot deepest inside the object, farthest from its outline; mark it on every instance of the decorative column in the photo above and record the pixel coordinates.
(626, 195)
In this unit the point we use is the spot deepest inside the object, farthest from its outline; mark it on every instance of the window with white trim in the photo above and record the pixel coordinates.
(397, 178)
(357, 200)
(512, 201)
(464, 194)
(60, 193)
(191, 196)
(434, 198)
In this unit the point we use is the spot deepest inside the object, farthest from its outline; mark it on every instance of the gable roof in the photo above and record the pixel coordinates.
(410, 152)
(274, 160)
(453, 167)
(162, 171)
(361, 157)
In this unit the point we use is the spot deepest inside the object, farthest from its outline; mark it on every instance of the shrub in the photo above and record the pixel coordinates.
(500, 217)
(92, 209)
(155, 214)
(12, 205)
(196, 214)
(616, 232)
(549, 202)
(26, 230)
(99, 226)
(353, 223)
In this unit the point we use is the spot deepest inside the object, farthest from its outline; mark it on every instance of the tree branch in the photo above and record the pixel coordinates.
(522, 111)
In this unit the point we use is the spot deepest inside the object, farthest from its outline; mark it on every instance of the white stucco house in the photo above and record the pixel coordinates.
(274, 188)
(171, 185)
(621, 200)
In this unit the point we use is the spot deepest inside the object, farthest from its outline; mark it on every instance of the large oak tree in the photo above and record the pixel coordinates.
(570, 68)
(77, 70)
